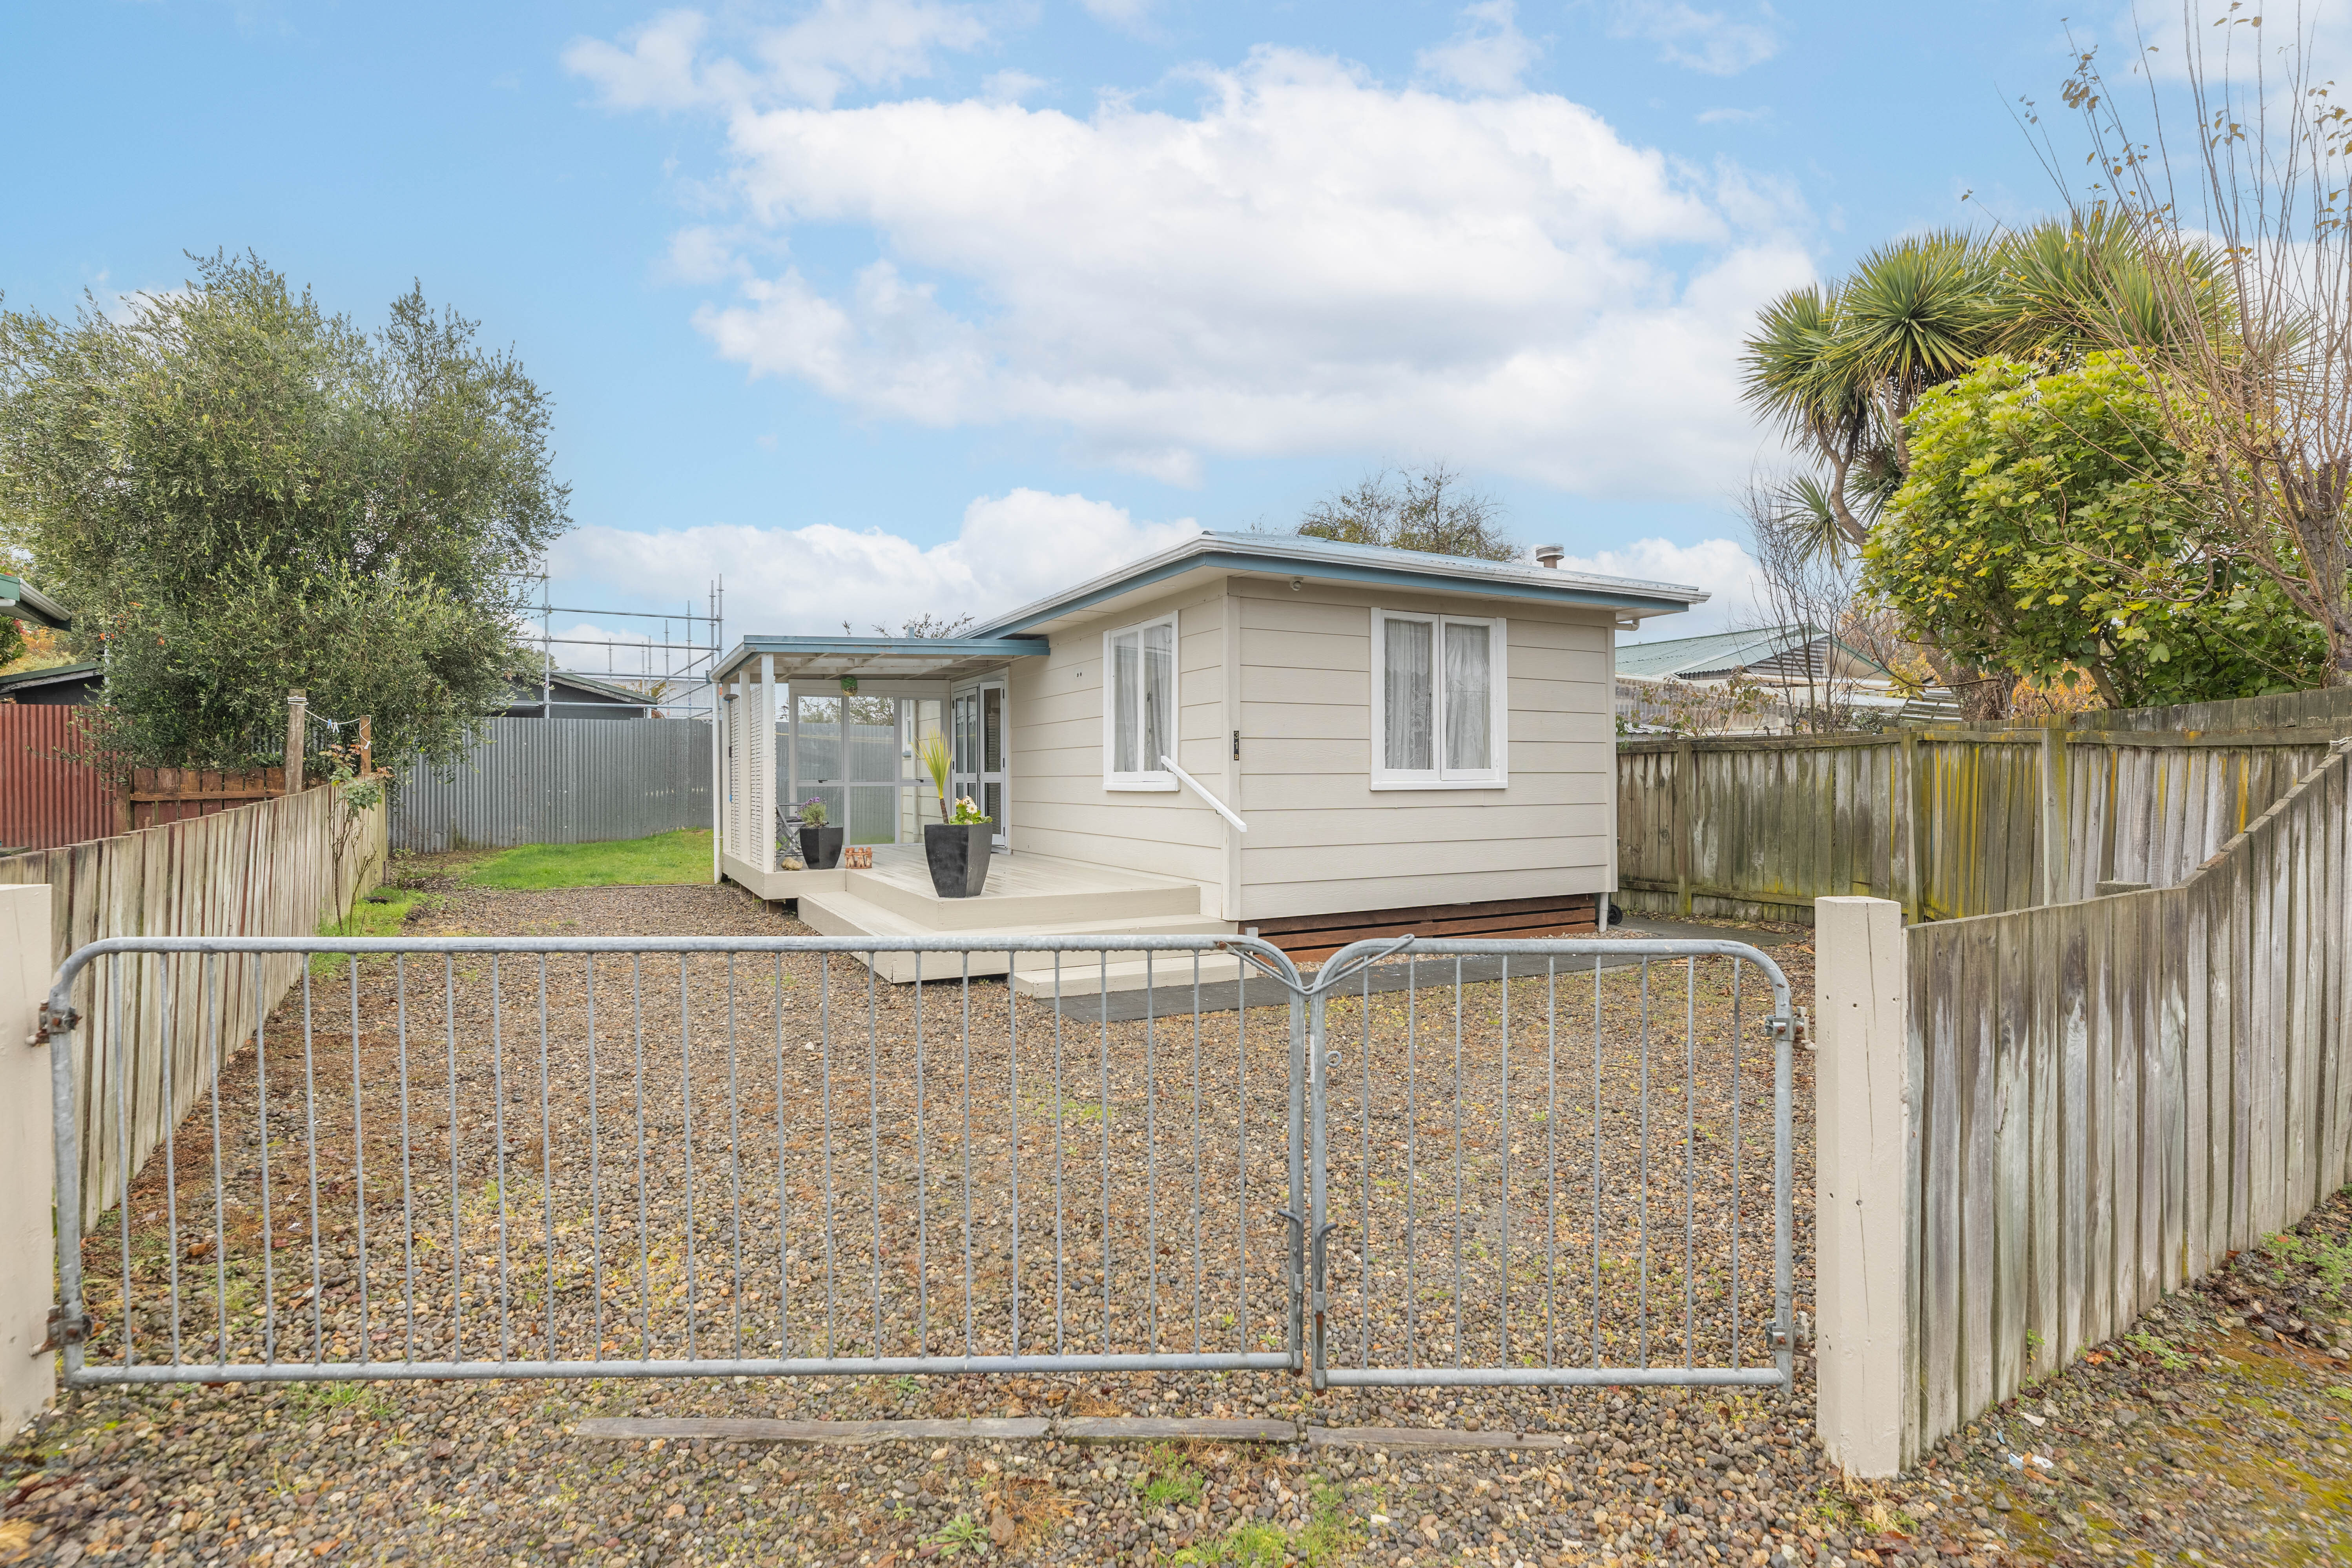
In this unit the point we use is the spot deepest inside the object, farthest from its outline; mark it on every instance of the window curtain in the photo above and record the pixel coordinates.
(1159, 695)
(1408, 696)
(1127, 695)
(1469, 700)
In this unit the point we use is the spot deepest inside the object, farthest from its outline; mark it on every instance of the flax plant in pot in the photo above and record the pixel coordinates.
(955, 847)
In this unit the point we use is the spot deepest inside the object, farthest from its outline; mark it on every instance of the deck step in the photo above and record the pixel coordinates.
(847, 914)
(1024, 891)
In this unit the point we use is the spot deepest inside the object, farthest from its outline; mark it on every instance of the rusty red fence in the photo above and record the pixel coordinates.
(48, 793)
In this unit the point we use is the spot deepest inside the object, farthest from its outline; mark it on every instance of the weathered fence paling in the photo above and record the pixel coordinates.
(1949, 824)
(2104, 1099)
(265, 870)
(560, 781)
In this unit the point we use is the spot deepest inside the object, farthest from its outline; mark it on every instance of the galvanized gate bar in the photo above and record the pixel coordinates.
(1487, 1261)
(708, 1234)
(680, 1226)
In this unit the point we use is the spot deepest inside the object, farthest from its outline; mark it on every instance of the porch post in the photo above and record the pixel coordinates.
(763, 759)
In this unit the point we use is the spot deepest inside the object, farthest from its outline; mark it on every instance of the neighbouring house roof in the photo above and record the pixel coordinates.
(1285, 555)
(879, 658)
(59, 684)
(1719, 655)
(574, 697)
(20, 601)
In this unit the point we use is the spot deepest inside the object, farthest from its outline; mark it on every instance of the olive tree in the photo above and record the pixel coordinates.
(241, 493)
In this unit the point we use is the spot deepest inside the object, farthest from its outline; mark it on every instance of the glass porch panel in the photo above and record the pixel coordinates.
(991, 729)
(873, 814)
(820, 757)
(926, 717)
(873, 739)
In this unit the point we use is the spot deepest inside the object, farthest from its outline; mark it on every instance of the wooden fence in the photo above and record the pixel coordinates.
(49, 795)
(265, 870)
(1948, 823)
(2112, 1095)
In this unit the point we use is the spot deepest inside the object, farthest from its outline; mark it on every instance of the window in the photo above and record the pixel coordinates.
(1438, 706)
(1140, 705)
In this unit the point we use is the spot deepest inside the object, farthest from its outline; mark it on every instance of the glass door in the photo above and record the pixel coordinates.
(977, 736)
(849, 753)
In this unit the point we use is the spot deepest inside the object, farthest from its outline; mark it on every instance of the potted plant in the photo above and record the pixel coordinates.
(820, 845)
(956, 846)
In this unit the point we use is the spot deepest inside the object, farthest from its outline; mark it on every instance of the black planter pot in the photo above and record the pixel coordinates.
(821, 847)
(958, 857)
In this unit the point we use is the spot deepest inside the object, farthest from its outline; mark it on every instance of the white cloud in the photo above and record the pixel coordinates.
(1310, 263)
(1488, 55)
(1711, 41)
(1010, 85)
(836, 46)
(1720, 567)
(1010, 549)
(1732, 116)
(1127, 14)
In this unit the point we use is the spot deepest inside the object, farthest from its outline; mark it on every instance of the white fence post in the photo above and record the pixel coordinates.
(1864, 1108)
(28, 1378)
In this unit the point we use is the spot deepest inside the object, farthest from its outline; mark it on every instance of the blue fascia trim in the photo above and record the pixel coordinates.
(948, 647)
(1332, 571)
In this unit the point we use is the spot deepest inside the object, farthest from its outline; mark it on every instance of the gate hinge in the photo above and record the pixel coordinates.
(65, 1023)
(1779, 1339)
(65, 1330)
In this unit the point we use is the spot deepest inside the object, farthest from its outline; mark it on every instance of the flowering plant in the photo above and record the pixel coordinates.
(813, 813)
(967, 814)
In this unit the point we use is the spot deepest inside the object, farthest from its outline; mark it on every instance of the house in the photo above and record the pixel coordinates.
(20, 601)
(564, 696)
(59, 685)
(1776, 654)
(1314, 739)
(1689, 682)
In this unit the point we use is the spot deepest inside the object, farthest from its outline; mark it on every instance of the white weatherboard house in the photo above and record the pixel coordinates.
(1317, 741)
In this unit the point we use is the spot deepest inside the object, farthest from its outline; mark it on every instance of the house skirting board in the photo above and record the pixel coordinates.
(1311, 939)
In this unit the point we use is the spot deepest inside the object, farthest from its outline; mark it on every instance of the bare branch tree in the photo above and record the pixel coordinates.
(2248, 252)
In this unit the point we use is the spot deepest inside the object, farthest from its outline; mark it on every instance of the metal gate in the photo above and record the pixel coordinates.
(554, 1156)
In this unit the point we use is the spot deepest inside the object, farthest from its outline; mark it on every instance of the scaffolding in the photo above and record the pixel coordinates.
(671, 667)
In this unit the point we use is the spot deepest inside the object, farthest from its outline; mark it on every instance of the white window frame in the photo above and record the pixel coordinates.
(1498, 776)
(1147, 779)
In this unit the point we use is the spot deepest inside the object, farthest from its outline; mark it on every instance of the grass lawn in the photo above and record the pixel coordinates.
(680, 856)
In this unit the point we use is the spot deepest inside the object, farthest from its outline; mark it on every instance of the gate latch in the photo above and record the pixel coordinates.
(1779, 1339)
(51, 1019)
(64, 1329)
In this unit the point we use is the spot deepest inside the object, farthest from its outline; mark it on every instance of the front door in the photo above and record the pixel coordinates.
(976, 734)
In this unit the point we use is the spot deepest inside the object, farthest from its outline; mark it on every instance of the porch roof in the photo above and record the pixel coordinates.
(881, 658)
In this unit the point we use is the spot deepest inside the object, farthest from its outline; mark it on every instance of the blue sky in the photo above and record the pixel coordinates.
(886, 306)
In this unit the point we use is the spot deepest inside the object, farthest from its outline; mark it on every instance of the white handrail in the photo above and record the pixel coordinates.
(1219, 807)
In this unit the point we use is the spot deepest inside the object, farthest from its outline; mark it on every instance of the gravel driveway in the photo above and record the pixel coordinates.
(1423, 1173)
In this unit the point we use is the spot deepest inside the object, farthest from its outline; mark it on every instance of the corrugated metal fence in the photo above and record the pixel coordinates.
(1948, 823)
(46, 796)
(560, 781)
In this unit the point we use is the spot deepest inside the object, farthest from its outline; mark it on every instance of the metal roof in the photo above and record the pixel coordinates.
(1330, 561)
(20, 601)
(881, 658)
(1719, 652)
(48, 675)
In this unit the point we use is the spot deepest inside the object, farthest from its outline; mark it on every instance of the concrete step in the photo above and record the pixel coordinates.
(1085, 974)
